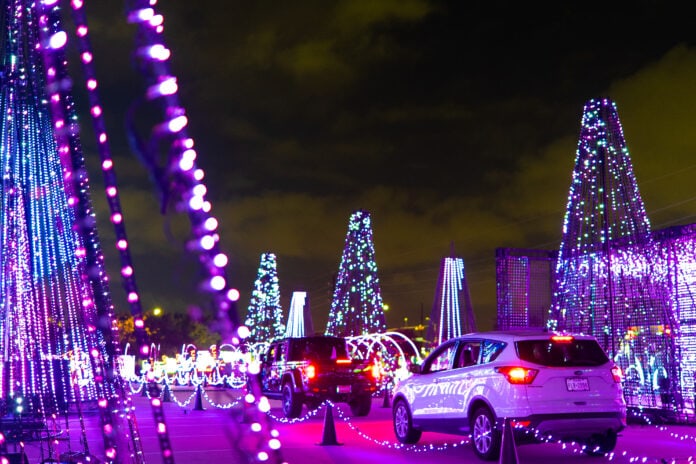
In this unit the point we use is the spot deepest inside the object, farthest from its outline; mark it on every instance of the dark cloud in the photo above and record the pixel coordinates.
(454, 124)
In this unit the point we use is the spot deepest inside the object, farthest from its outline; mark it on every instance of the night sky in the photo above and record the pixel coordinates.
(453, 123)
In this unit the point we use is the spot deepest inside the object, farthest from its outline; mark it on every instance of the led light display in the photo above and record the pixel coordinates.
(299, 317)
(607, 281)
(356, 307)
(452, 304)
(53, 289)
(265, 315)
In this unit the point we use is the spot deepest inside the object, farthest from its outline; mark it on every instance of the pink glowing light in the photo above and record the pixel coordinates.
(58, 40)
(217, 283)
(233, 294)
(220, 260)
(177, 124)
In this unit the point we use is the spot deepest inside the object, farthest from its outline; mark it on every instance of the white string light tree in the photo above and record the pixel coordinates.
(299, 318)
(357, 307)
(265, 315)
(452, 303)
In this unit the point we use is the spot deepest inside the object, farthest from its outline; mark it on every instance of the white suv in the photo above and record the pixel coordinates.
(550, 385)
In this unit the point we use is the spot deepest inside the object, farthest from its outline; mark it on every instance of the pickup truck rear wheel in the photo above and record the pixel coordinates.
(292, 402)
(360, 405)
(600, 444)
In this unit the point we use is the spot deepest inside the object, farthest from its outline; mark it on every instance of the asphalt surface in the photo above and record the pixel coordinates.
(201, 433)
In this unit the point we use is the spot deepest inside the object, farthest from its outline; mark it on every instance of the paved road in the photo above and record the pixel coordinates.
(211, 436)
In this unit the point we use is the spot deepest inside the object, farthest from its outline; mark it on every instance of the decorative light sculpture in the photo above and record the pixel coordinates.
(299, 317)
(678, 264)
(265, 315)
(452, 301)
(48, 305)
(56, 321)
(357, 308)
(607, 282)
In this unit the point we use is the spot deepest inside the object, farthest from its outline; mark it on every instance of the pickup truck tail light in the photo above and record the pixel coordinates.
(310, 371)
(375, 371)
(518, 375)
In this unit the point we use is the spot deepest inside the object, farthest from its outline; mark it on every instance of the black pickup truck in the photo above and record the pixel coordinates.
(309, 370)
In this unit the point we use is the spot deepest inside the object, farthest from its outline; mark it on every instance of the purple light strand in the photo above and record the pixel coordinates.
(117, 220)
(185, 180)
(52, 42)
(110, 184)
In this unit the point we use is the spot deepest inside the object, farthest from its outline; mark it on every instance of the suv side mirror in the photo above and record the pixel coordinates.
(414, 368)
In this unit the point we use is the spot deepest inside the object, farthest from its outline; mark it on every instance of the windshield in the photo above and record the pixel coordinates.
(552, 353)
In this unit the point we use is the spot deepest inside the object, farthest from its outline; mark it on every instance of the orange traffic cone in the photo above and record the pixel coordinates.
(508, 450)
(329, 435)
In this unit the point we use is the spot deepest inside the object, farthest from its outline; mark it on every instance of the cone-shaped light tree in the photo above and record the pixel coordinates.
(357, 308)
(607, 283)
(264, 315)
(299, 317)
(452, 308)
(55, 305)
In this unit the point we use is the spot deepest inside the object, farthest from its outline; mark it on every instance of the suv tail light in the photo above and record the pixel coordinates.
(518, 375)
(617, 374)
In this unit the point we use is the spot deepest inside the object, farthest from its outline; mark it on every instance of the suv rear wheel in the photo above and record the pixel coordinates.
(403, 424)
(485, 439)
(292, 403)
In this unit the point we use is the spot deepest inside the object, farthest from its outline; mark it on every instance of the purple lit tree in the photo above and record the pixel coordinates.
(55, 304)
(264, 315)
(452, 303)
(356, 308)
(607, 283)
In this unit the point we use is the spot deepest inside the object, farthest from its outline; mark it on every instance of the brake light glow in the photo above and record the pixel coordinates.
(562, 338)
(375, 371)
(617, 374)
(310, 371)
(343, 361)
(520, 423)
(517, 375)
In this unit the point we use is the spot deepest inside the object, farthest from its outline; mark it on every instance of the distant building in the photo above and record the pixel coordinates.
(524, 285)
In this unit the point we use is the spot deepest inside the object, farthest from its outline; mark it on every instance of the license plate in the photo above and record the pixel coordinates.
(343, 389)
(577, 384)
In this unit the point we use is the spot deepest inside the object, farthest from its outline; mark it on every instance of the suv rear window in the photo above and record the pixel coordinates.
(552, 353)
(320, 349)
